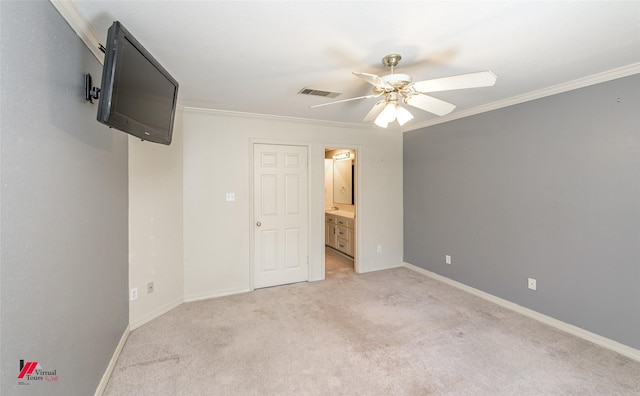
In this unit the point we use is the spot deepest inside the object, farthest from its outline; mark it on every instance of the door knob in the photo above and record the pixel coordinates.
(258, 224)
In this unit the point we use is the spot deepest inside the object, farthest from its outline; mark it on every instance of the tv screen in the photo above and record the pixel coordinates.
(138, 96)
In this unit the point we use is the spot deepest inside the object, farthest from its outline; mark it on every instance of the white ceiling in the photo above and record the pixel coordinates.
(254, 56)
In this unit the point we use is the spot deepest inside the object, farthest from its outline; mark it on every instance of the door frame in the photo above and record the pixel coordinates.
(357, 202)
(252, 242)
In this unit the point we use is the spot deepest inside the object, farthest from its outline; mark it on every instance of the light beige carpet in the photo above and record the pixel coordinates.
(393, 332)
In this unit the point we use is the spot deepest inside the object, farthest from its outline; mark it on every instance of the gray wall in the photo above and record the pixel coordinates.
(64, 230)
(548, 189)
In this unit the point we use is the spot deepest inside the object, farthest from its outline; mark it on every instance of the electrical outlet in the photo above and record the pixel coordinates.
(231, 197)
(379, 248)
(149, 287)
(532, 284)
(134, 294)
(447, 259)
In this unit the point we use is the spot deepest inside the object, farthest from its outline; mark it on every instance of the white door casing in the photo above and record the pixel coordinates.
(280, 214)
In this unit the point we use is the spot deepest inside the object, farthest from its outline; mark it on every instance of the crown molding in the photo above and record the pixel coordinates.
(80, 25)
(239, 114)
(609, 75)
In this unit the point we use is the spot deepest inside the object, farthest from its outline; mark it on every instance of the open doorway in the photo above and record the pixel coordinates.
(340, 211)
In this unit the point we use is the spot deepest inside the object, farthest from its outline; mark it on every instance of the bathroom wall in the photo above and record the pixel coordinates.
(328, 183)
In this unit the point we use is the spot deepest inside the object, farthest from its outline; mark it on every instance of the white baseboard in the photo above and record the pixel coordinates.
(386, 267)
(558, 324)
(135, 323)
(112, 363)
(208, 295)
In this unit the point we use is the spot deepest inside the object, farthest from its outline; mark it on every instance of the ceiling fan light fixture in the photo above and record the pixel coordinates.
(403, 115)
(381, 123)
(387, 115)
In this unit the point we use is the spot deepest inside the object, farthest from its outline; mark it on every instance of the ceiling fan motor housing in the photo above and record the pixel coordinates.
(398, 81)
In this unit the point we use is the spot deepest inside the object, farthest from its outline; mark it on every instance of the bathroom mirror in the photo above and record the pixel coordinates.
(343, 181)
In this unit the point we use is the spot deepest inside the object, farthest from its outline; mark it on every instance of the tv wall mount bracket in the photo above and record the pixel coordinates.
(90, 92)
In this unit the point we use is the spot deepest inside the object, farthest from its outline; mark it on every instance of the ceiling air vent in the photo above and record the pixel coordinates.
(317, 92)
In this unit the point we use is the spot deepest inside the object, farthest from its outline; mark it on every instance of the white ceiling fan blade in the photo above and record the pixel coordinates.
(430, 104)
(375, 110)
(345, 100)
(470, 80)
(374, 80)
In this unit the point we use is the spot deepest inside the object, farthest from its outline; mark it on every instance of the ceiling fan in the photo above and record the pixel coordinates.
(396, 88)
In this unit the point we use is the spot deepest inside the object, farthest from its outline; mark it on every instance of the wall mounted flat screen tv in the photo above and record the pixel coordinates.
(138, 96)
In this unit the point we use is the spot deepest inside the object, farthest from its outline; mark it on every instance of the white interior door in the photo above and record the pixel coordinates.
(281, 215)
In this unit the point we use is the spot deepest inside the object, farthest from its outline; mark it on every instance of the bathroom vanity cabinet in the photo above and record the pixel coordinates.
(340, 233)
